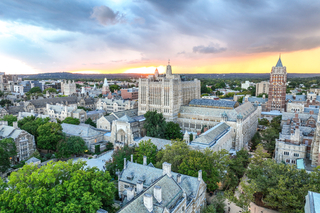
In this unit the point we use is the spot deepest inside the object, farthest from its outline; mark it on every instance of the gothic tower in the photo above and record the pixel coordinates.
(105, 87)
(277, 88)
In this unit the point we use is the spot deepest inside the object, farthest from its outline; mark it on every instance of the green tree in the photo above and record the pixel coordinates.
(255, 140)
(209, 209)
(240, 100)
(191, 137)
(73, 145)
(50, 90)
(31, 124)
(7, 150)
(118, 162)
(155, 124)
(268, 138)
(173, 131)
(58, 187)
(174, 154)
(10, 119)
(276, 123)
(195, 161)
(148, 149)
(35, 90)
(90, 122)
(3, 102)
(49, 136)
(114, 87)
(71, 120)
(263, 121)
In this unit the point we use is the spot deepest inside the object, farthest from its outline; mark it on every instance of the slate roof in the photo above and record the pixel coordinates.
(160, 143)
(302, 116)
(298, 98)
(244, 109)
(110, 118)
(256, 99)
(279, 63)
(171, 195)
(32, 160)
(150, 174)
(14, 110)
(9, 132)
(210, 137)
(130, 113)
(59, 109)
(308, 109)
(42, 103)
(96, 112)
(119, 102)
(77, 130)
(209, 102)
(126, 118)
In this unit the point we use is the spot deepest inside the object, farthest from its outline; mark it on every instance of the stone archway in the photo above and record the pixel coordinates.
(121, 136)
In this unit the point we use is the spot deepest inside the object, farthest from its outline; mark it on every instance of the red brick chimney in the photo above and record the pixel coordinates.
(311, 112)
(205, 129)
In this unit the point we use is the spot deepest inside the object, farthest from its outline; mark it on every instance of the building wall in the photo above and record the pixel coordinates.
(68, 87)
(286, 152)
(277, 89)
(262, 87)
(166, 95)
(126, 95)
(103, 123)
(110, 105)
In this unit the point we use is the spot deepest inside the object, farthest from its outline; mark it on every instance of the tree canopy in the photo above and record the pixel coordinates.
(3, 102)
(35, 90)
(172, 131)
(31, 124)
(118, 162)
(90, 122)
(73, 145)
(7, 149)
(155, 124)
(49, 136)
(57, 187)
(114, 87)
(71, 120)
(148, 149)
(50, 90)
(10, 119)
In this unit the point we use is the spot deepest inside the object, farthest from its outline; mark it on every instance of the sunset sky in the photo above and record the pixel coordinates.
(137, 36)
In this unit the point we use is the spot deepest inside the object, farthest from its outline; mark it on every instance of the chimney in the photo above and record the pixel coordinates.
(264, 96)
(139, 186)
(199, 175)
(130, 193)
(178, 178)
(311, 112)
(144, 160)
(157, 193)
(205, 129)
(47, 106)
(15, 125)
(124, 163)
(131, 158)
(296, 115)
(32, 111)
(148, 202)
(166, 169)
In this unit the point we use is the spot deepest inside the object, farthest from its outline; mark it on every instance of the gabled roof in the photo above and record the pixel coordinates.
(212, 103)
(126, 118)
(279, 63)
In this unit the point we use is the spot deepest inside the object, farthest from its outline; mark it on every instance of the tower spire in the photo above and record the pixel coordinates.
(169, 62)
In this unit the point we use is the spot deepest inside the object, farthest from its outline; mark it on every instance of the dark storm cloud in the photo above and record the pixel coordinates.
(106, 16)
(212, 48)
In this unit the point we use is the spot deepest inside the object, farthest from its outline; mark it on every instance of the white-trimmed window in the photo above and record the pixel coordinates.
(296, 155)
(285, 153)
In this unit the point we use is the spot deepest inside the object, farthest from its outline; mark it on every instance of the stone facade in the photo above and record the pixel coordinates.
(62, 112)
(217, 138)
(166, 93)
(144, 188)
(105, 87)
(68, 87)
(277, 88)
(295, 107)
(242, 119)
(296, 139)
(262, 87)
(112, 105)
(24, 141)
(7, 82)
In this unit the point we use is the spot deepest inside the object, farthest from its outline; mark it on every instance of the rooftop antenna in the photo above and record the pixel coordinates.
(169, 62)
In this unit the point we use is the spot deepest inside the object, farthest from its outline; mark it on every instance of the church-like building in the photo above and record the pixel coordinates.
(166, 93)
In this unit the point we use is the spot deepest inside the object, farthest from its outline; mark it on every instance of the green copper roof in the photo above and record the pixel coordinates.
(279, 63)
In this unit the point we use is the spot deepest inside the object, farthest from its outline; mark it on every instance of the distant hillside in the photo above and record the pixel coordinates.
(66, 75)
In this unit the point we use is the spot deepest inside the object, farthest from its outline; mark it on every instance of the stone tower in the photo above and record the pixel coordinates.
(277, 88)
(315, 145)
(105, 87)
